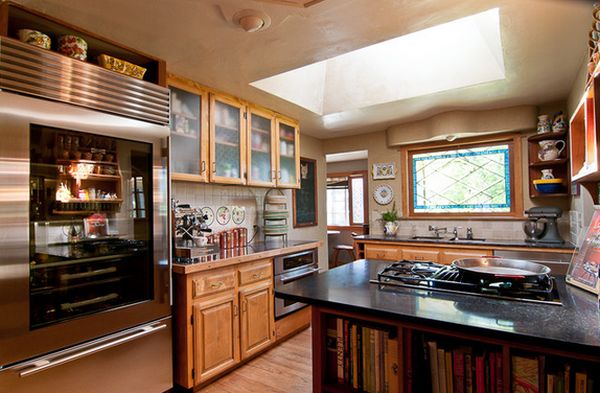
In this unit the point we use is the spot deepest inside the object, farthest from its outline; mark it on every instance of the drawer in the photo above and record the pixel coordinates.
(420, 255)
(449, 255)
(377, 251)
(255, 271)
(213, 282)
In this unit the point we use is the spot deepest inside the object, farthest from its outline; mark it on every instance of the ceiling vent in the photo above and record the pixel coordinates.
(251, 20)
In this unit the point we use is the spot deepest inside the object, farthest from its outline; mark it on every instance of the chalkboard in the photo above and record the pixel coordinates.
(305, 198)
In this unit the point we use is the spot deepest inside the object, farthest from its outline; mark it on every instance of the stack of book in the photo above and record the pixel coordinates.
(364, 357)
(534, 374)
(463, 369)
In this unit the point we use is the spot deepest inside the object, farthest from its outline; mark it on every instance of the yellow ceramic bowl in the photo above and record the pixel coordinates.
(548, 181)
(121, 66)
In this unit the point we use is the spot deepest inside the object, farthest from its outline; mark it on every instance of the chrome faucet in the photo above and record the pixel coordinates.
(437, 230)
(469, 233)
(455, 233)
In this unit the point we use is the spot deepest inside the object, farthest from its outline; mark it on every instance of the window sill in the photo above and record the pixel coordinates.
(465, 217)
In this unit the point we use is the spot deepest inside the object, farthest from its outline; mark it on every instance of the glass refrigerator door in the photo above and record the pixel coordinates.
(91, 224)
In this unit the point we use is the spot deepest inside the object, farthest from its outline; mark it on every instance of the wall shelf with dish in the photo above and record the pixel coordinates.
(549, 174)
(16, 17)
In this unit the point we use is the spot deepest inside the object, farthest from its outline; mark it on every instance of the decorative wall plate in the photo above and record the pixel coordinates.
(238, 214)
(384, 171)
(223, 215)
(383, 194)
(210, 215)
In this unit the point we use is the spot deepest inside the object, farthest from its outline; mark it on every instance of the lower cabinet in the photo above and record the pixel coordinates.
(257, 330)
(216, 324)
(443, 255)
(223, 317)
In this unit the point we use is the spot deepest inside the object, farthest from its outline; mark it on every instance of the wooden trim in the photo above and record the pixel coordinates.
(292, 323)
(192, 87)
(354, 174)
(358, 227)
(294, 124)
(316, 197)
(515, 163)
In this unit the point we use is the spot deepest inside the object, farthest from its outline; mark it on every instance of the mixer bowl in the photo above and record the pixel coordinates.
(534, 228)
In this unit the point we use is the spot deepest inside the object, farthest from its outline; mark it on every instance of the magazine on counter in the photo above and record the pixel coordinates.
(583, 270)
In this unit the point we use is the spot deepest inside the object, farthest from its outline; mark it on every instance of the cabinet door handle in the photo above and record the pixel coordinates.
(244, 306)
(235, 310)
(279, 175)
(214, 167)
(202, 166)
(217, 284)
(273, 174)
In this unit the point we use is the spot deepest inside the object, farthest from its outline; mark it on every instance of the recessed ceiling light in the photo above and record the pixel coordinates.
(457, 54)
(252, 20)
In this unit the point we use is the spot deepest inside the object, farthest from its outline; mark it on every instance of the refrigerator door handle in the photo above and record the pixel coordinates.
(42, 364)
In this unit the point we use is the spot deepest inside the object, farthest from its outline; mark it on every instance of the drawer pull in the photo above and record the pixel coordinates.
(217, 284)
(257, 275)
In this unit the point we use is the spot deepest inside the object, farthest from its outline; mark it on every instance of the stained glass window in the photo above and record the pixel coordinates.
(468, 180)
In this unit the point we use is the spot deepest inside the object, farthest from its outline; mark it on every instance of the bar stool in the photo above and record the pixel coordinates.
(337, 249)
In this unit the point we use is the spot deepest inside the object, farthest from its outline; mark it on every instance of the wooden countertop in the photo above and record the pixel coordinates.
(250, 253)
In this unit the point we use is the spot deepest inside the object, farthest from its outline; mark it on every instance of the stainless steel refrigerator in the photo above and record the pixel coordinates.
(84, 254)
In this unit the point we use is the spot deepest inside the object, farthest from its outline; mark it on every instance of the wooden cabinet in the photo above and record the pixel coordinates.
(584, 138)
(262, 147)
(288, 156)
(227, 140)
(386, 252)
(222, 317)
(189, 130)
(415, 252)
(257, 322)
(216, 324)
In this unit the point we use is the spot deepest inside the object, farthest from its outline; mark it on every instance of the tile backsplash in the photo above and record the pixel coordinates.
(488, 229)
(214, 196)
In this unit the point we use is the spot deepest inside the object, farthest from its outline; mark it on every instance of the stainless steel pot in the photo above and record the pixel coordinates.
(502, 268)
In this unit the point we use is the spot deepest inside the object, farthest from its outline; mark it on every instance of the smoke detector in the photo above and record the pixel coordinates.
(252, 20)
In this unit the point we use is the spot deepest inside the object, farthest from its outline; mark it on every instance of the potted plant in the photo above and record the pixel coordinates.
(390, 219)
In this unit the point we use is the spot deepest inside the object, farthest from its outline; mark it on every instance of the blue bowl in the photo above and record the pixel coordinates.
(549, 188)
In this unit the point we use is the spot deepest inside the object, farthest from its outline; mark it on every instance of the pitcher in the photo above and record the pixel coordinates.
(549, 149)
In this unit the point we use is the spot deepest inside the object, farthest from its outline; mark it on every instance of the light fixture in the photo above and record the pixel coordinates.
(450, 137)
(252, 20)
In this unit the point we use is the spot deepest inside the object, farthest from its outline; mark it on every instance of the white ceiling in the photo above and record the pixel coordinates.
(544, 45)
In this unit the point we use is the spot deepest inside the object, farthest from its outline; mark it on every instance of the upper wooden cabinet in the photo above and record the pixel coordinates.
(288, 156)
(220, 139)
(262, 148)
(189, 130)
(584, 133)
(227, 140)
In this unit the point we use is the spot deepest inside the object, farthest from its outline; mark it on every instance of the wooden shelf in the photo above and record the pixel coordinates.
(261, 151)
(537, 164)
(287, 138)
(555, 195)
(261, 131)
(547, 136)
(74, 200)
(63, 161)
(228, 144)
(228, 128)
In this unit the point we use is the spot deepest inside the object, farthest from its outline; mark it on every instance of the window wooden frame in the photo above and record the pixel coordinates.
(350, 175)
(515, 168)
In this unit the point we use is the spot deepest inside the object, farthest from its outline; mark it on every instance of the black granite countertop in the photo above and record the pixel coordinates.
(575, 324)
(484, 243)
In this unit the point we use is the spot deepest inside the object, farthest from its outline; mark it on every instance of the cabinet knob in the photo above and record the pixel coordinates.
(202, 166)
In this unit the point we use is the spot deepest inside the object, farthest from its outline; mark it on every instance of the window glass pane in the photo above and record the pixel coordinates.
(358, 200)
(337, 207)
(474, 180)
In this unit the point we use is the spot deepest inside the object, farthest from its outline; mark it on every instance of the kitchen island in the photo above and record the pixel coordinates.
(567, 333)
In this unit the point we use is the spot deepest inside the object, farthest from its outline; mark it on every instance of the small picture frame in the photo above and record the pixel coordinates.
(383, 171)
(584, 267)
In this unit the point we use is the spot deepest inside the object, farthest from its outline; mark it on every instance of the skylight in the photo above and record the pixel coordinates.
(457, 54)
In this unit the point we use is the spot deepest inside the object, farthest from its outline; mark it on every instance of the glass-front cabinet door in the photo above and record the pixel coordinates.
(227, 140)
(288, 157)
(261, 148)
(189, 131)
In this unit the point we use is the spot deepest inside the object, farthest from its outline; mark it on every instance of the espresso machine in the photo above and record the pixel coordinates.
(541, 226)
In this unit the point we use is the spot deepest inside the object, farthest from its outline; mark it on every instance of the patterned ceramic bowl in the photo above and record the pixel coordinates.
(34, 37)
(121, 66)
(73, 46)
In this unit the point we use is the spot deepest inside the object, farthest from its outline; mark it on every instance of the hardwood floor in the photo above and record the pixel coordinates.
(286, 368)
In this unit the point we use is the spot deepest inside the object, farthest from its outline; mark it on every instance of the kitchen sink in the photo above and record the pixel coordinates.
(427, 238)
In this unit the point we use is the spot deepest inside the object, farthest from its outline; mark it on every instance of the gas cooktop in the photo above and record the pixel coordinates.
(444, 278)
